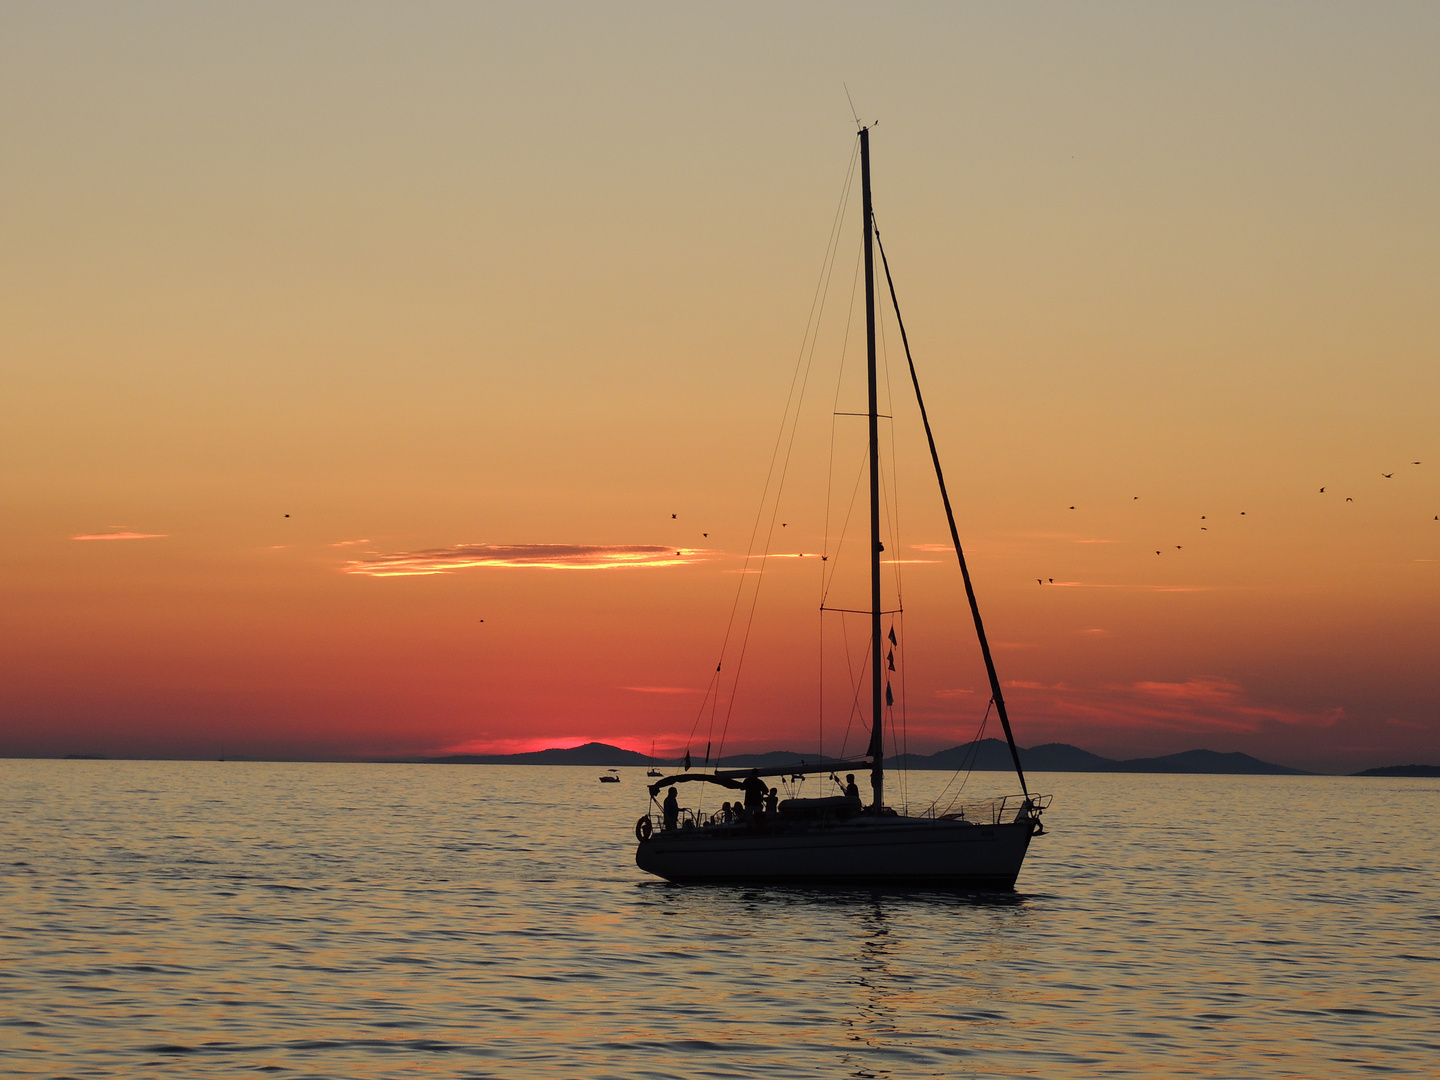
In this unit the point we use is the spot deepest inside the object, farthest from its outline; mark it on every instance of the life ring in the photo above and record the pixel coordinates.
(643, 829)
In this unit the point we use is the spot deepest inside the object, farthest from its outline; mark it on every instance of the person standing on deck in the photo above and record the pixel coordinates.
(671, 808)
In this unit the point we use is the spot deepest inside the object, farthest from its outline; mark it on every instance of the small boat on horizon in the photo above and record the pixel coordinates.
(839, 838)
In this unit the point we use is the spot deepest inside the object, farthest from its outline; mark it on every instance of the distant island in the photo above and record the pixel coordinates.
(989, 755)
(1432, 771)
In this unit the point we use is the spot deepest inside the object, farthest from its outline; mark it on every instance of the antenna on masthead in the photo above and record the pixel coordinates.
(853, 113)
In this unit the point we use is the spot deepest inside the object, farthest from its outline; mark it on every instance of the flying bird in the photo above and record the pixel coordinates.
(1414, 463)
(1039, 581)
(1204, 529)
(1387, 475)
(1052, 581)
(1242, 513)
(672, 517)
(1349, 500)
(704, 534)
(1177, 547)
(1157, 553)
(287, 515)
(1322, 491)
(1072, 508)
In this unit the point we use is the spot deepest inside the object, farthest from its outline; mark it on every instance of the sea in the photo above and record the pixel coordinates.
(227, 919)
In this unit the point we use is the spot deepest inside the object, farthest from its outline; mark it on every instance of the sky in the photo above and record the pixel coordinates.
(383, 381)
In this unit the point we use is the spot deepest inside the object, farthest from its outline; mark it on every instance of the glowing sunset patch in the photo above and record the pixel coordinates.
(538, 556)
(122, 536)
(534, 745)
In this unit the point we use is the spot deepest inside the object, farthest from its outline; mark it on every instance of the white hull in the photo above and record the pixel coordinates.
(868, 850)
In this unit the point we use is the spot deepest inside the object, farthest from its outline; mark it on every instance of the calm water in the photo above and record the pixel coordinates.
(357, 921)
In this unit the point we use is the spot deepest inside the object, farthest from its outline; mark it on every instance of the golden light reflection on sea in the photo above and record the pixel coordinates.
(367, 921)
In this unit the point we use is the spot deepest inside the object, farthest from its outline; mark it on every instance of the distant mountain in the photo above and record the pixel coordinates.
(1062, 757)
(593, 753)
(988, 755)
(994, 756)
(1432, 771)
(1204, 761)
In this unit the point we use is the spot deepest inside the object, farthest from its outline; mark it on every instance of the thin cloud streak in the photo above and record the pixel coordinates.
(1138, 588)
(122, 536)
(533, 556)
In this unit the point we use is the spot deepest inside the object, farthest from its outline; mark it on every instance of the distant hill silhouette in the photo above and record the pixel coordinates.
(1205, 761)
(1403, 770)
(593, 753)
(988, 755)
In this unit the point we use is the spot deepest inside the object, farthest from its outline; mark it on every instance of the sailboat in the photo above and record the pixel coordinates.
(841, 839)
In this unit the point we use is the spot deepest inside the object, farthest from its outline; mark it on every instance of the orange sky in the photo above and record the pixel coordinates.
(496, 291)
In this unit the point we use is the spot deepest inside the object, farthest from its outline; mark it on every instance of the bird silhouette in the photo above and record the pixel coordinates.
(672, 517)
(1387, 475)
(1157, 553)
(287, 515)
(704, 534)
(1039, 581)
(1072, 508)
(1137, 496)
(1052, 581)
(1322, 491)
(1242, 513)
(1202, 517)
(1204, 529)
(1177, 547)
(1414, 463)
(1349, 500)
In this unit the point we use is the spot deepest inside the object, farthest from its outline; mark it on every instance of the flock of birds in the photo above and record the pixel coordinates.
(1205, 528)
(1136, 498)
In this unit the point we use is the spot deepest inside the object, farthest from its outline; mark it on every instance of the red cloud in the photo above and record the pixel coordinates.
(1199, 704)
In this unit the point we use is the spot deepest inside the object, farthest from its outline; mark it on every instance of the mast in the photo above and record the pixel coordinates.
(877, 699)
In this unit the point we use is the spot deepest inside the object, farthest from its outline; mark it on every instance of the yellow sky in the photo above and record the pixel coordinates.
(449, 275)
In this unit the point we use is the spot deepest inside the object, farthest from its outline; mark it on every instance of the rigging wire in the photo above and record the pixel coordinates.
(811, 337)
(967, 762)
